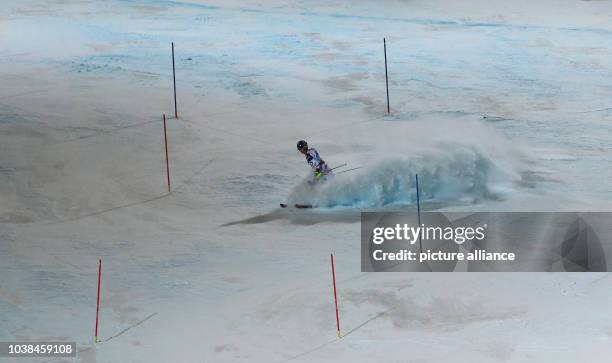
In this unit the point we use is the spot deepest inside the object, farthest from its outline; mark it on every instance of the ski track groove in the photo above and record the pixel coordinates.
(242, 136)
(104, 132)
(26, 93)
(107, 339)
(321, 346)
(97, 213)
(418, 21)
(192, 177)
(129, 327)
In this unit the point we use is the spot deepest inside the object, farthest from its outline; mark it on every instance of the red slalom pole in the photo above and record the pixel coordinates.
(167, 163)
(96, 339)
(335, 295)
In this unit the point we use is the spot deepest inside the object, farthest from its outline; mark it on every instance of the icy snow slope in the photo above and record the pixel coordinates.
(497, 106)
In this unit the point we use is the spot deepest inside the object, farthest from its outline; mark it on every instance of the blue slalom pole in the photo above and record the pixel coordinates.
(419, 211)
(386, 75)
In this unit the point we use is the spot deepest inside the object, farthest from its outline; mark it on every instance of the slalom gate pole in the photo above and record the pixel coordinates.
(174, 81)
(386, 75)
(335, 295)
(167, 162)
(419, 211)
(96, 338)
(347, 170)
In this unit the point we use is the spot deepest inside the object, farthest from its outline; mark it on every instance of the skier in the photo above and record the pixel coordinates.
(321, 170)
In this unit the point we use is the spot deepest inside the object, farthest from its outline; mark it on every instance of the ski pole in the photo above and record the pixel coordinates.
(344, 171)
(339, 166)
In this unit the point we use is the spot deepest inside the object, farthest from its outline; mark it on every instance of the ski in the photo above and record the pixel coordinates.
(299, 206)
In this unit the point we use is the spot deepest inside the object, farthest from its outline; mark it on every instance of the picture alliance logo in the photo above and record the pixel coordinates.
(411, 234)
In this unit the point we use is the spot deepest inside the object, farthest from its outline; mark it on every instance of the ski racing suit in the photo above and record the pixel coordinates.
(322, 171)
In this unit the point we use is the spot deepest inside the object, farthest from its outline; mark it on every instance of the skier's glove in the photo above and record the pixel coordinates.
(318, 174)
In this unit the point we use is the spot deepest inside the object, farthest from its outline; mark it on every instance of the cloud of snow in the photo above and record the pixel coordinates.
(453, 167)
